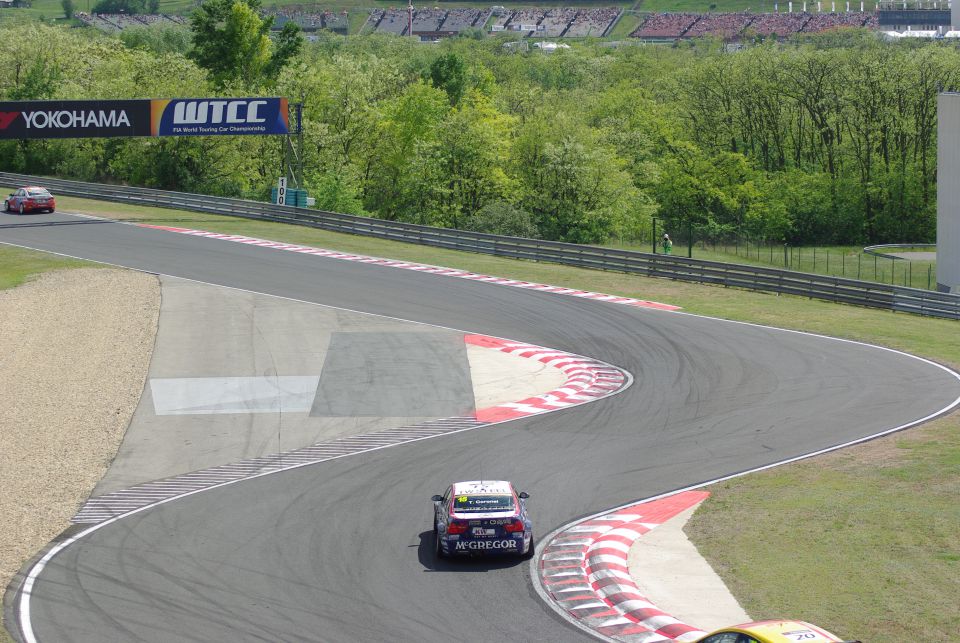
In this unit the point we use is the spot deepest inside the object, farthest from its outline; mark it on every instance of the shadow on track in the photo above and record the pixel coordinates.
(46, 224)
(462, 564)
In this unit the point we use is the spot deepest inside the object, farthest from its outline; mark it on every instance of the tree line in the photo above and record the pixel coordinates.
(829, 139)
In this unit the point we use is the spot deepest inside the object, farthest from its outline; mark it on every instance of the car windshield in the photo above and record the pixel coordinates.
(466, 504)
(37, 192)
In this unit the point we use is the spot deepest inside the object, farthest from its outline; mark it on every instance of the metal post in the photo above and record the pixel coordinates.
(654, 237)
(784, 255)
(893, 269)
(690, 239)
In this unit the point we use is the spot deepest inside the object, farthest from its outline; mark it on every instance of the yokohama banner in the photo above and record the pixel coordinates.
(144, 117)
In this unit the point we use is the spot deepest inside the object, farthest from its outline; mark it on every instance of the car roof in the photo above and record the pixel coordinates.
(475, 487)
(34, 187)
(778, 631)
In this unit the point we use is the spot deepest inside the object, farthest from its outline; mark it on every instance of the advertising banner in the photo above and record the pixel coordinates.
(74, 118)
(219, 116)
(143, 117)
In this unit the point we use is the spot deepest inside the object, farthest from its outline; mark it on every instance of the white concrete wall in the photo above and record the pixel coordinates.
(948, 190)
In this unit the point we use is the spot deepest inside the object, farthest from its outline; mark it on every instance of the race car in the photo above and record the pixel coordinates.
(772, 632)
(482, 517)
(30, 199)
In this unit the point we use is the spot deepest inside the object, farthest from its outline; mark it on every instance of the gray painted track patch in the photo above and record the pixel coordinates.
(202, 395)
(398, 374)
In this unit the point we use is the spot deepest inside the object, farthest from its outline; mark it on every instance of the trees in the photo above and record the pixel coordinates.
(449, 74)
(832, 140)
(231, 41)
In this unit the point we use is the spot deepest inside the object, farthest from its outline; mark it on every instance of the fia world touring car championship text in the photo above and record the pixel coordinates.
(218, 129)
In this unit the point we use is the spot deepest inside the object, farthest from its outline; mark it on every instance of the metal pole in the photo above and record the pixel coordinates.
(653, 239)
(784, 255)
(690, 239)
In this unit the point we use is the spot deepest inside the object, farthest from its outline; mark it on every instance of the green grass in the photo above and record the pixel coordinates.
(839, 261)
(863, 542)
(18, 265)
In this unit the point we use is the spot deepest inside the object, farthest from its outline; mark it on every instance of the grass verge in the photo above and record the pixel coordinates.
(863, 541)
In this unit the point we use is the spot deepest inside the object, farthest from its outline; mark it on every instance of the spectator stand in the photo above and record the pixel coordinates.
(665, 27)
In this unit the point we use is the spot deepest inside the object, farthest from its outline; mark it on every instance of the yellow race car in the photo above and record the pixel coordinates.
(772, 632)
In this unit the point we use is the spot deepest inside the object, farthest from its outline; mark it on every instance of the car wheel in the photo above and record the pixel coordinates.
(52, 210)
(437, 549)
(6, 206)
(22, 209)
(529, 553)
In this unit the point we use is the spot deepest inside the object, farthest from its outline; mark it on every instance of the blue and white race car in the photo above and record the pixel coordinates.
(482, 517)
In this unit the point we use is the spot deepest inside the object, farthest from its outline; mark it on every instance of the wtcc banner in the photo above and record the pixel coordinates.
(144, 117)
(218, 116)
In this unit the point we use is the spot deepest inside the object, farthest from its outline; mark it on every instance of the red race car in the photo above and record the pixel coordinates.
(30, 199)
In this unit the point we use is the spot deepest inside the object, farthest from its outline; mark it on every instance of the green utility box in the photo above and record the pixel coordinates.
(295, 197)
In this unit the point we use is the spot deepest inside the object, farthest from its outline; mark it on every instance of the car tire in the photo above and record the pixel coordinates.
(437, 549)
(6, 206)
(533, 548)
(22, 209)
(52, 210)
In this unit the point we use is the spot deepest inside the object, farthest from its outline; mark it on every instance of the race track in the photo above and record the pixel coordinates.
(341, 551)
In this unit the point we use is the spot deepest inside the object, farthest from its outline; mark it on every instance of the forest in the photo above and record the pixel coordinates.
(830, 139)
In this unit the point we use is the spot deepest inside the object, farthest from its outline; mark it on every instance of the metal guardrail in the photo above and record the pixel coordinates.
(876, 250)
(837, 289)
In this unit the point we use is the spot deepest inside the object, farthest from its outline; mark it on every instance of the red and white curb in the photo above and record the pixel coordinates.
(419, 267)
(587, 380)
(584, 573)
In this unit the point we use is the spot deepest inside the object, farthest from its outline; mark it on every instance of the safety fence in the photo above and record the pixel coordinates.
(824, 287)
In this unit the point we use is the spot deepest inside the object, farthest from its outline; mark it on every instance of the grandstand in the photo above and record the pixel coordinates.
(113, 22)
(732, 26)
(568, 22)
(914, 15)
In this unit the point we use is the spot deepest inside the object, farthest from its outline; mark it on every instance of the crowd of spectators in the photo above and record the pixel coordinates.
(553, 23)
(721, 25)
(778, 24)
(825, 21)
(732, 25)
(665, 25)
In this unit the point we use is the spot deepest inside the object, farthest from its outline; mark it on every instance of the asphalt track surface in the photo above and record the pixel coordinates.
(341, 551)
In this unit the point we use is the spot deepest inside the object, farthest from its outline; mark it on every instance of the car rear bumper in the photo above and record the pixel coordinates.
(457, 545)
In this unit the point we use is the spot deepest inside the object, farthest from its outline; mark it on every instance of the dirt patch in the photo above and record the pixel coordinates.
(74, 353)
